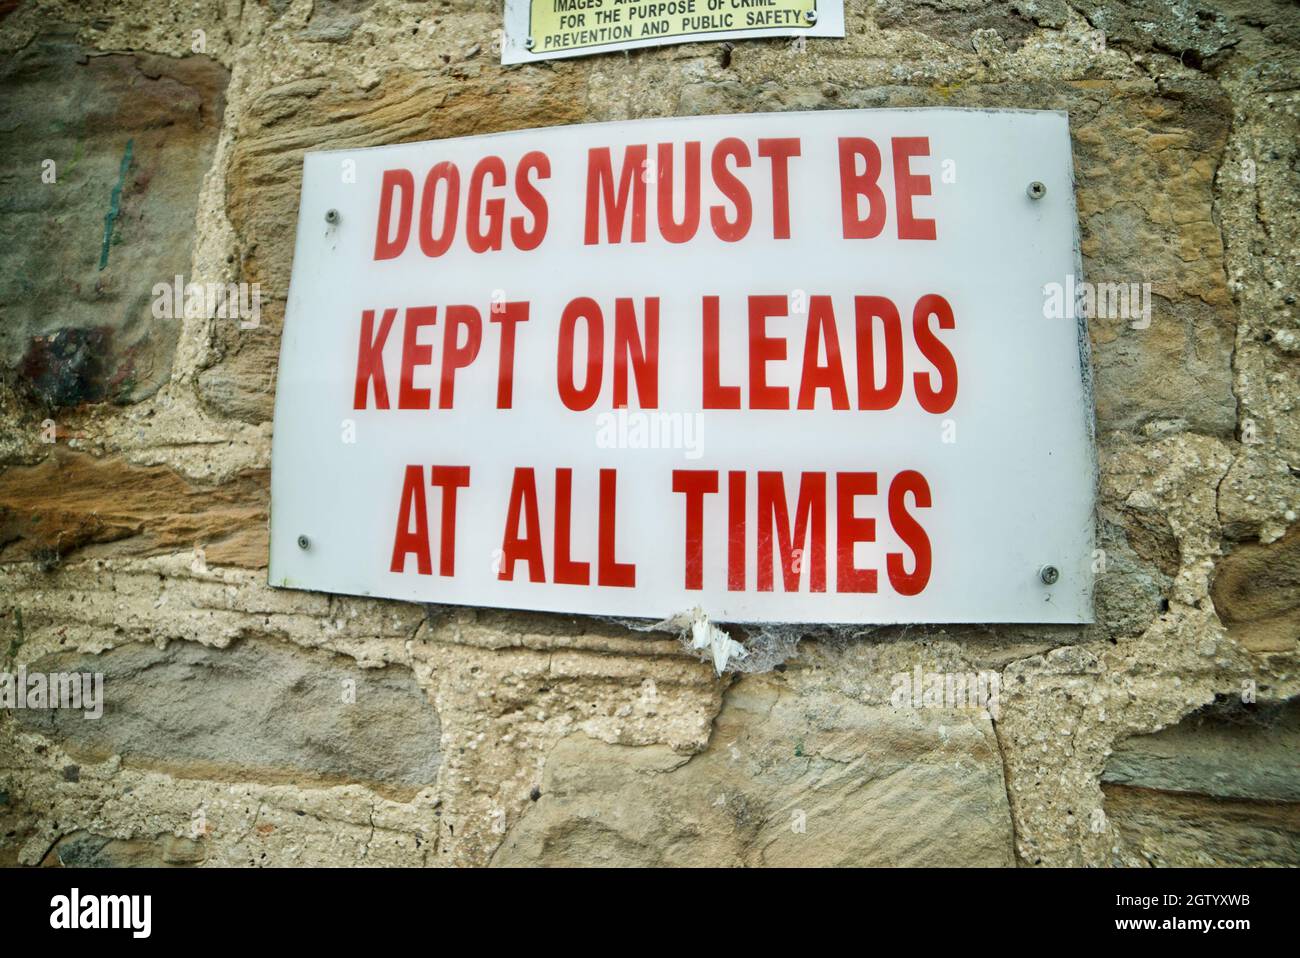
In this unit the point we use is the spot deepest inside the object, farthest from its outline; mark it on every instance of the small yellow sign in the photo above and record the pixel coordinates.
(573, 24)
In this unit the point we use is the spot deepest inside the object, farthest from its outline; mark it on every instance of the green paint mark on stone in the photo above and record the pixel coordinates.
(115, 204)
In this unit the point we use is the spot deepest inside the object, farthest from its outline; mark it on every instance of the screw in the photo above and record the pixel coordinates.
(1049, 574)
(1036, 190)
(331, 216)
(303, 542)
(529, 43)
(811, 16)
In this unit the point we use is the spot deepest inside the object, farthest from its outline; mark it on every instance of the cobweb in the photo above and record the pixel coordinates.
(736, 648)
(740, 647)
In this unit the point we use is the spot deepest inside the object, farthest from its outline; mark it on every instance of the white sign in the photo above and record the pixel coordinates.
(549, 29)
(790, 367)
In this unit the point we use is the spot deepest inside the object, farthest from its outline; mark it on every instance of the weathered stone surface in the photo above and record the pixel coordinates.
(1229, 750)
(1131, 587)
(258, 711)
(127, 139)
(1222, 787)
(1179, 831)
(87, 850)
(72, 501)
(1259, 496)
(1256, 592)
(958, 21)
(1186, 126)
(334, 21)
(787, 779)
(1146, 168)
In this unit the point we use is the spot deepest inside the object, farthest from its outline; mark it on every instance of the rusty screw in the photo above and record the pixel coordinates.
(1036, 190)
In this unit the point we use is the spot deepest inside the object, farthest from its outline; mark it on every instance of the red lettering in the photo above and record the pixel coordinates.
(821, 328)
(851, 529)
(454, 355)
(533, 200)
(809, 512)
(764, 349)
(867, 309)
(779, 152)
(415, 354)
(669, 228)
(508, 315)
(908, 184)
(600, 187)
(449, 479)
(406, 540)
(629, 351)
(727, 229)
(567, 572)
(388, 246)
(716, 395)
(695, 483)
(587, 309)
(735, 532)
(430, 244)
(370, 359)
(528, 546)
(480, 240)
(910, 531)
(854, 184)
(611, 572)
(934, 400)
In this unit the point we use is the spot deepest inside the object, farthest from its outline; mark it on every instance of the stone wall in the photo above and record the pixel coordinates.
(135, 456)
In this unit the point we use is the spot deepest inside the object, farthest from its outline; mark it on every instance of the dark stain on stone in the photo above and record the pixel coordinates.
(67, 368)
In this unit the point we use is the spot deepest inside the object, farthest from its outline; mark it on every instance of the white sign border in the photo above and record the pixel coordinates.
(278, 579)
